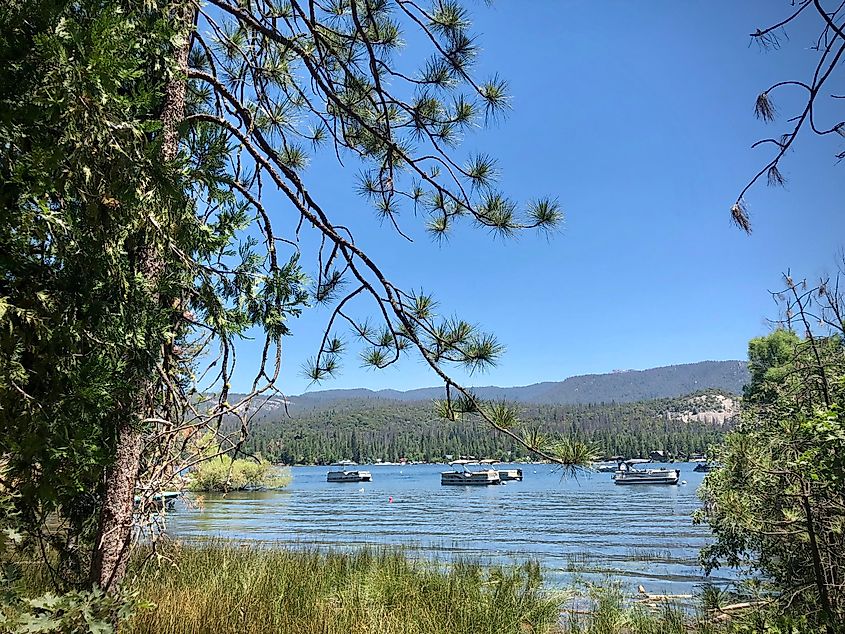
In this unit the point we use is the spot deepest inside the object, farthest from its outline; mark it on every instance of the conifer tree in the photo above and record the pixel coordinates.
(156, 203)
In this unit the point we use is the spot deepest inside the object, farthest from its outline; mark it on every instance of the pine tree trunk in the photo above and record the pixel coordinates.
(818, 570)
(114, 534)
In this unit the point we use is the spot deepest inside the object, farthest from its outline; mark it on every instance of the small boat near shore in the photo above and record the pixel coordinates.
(158, 501)
(704, 467)
(346, 475)
(505, 475)
(510, 474)
(627, 474)
(461, 475)
(611, 465)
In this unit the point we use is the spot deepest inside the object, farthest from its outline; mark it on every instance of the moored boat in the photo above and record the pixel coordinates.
(161, 500)
(704, 467)
(510, 474)
(462, 476)
(346, 475)
(504, 474)
(626, 474)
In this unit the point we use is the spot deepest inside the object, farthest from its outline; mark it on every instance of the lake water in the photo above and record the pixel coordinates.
(589, 527)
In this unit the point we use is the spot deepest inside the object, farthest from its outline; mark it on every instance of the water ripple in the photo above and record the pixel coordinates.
(587, 528)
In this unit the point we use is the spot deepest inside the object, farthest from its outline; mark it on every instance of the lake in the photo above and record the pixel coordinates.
(586, 527)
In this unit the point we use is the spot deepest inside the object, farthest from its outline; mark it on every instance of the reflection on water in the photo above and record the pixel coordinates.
(638, 534)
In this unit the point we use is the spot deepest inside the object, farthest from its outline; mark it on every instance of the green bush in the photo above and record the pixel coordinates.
(80, 612)
(224, 474)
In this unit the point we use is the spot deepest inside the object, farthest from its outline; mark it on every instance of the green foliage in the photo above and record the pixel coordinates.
(82, 612)
(218, 471)
(108, 254)
(777, 504)
(79, 85)
(607, 610)
(221, 473)
(769, 364)
(25, 608)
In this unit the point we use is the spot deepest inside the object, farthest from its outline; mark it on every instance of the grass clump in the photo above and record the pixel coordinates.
(221, 588)
(607, 610)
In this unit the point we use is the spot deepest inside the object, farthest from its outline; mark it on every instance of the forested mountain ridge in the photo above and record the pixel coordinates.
(680, 409)
(615, 387)
(372, 429)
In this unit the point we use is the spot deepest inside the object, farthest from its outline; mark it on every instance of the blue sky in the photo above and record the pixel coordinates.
(639, 117)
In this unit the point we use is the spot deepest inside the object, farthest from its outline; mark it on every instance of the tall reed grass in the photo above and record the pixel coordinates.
(608, 611)
(222, 588)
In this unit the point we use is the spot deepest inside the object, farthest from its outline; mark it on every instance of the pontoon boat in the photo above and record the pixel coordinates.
(627, 474)
(462, 476)
(345, 475)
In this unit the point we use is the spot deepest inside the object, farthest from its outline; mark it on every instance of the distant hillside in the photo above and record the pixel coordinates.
(637, 385)
(368, 429)
(616, 387)
(680, 409)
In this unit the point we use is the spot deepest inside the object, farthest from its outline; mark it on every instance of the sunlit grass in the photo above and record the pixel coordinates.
(223, 588)
(607, 610)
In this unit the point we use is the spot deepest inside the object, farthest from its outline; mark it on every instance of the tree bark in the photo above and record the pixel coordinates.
(818, 571)
(114, 533)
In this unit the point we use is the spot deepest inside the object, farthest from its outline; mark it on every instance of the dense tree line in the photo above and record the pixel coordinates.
(376, 429)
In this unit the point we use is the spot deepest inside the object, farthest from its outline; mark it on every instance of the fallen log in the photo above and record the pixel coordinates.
(739, 606)
(646, 596)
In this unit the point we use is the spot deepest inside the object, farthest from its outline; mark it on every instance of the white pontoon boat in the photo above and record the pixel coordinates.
(346, 475)
(463, 476)
(504, 474)
(627, 474)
